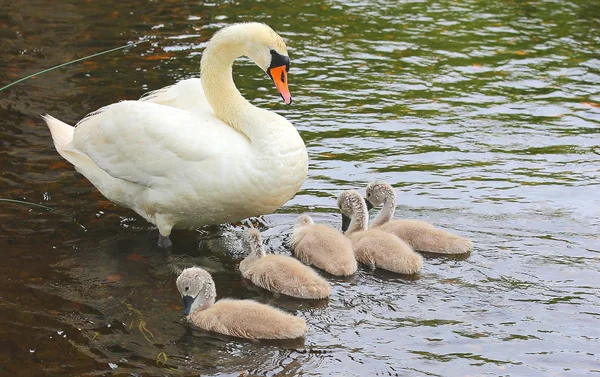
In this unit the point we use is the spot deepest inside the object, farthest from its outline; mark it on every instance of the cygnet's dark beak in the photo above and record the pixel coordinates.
(369, 205)
(345, 222)
(187, 304)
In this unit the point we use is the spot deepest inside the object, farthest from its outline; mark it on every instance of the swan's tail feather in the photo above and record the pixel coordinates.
(62, 133)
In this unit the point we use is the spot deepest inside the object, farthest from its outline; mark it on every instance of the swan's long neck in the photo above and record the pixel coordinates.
(217, 80)
(257, 250)
(216, 70)
(254, 244)
(207, 295)
(360, 218)
(387, 211)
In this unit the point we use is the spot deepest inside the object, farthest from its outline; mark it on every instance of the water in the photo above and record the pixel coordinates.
(485, 116)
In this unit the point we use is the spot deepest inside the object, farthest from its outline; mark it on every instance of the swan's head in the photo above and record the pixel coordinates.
(265, 47)
(304, 220)
(197, 289)
(269, 52)
(378, 192)
(252, 241)
(350, 203)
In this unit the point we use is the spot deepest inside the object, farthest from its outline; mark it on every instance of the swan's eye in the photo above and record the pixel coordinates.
(187, 289)
(273, 52)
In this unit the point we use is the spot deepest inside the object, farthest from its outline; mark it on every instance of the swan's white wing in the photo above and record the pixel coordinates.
(149, 144)
(185, 95)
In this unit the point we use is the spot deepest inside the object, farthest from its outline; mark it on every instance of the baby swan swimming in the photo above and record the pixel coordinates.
(280, 273)
(375, 247)
(323, 247)
(420, 235)
(241, 318)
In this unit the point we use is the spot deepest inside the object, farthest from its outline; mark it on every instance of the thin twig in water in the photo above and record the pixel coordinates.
(23, 202)
(71, 62)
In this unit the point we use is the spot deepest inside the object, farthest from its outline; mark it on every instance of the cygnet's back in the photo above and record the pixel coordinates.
(420, 235)
(249, 319)
(323, 247)
(380, 249)
(423, 236)
(279, 273)
(375, 247)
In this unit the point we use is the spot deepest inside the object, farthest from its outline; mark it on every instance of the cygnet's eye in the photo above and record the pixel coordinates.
(187, 289)
(368, 194)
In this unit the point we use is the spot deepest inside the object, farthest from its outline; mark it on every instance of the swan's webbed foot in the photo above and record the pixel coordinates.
(371, 265)
(164, 241)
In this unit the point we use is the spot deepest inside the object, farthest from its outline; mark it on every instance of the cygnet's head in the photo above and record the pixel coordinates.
(304, 220)
(350, 202)
(197, 289)
(252, 242)
(265, 47)
(377, 193)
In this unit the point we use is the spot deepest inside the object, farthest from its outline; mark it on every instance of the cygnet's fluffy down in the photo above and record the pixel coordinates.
(279, 273)
(423, 236)
(420, 235)
(374, 247)
(323, 247)
(241, 318)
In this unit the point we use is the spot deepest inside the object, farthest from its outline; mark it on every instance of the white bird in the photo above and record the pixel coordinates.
(242, 318)
(196, 153)
(420, 235)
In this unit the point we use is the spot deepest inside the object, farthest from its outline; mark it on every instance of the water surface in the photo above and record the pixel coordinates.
(485, 116)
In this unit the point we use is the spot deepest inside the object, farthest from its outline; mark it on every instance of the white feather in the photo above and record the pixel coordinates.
(177, 162)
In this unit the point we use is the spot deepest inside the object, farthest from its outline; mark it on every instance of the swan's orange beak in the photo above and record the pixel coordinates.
(279, 77)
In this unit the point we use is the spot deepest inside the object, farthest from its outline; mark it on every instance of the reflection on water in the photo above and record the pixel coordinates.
(484, 116)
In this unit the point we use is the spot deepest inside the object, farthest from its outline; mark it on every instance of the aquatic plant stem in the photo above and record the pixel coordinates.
(73, 61)
(23, 202)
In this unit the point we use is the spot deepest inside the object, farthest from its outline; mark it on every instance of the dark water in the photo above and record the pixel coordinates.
(485, 115)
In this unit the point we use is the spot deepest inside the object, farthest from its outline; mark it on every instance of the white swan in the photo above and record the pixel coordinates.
(192, 155)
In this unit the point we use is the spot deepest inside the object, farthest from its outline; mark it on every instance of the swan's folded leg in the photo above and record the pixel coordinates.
(164, 241)
(164, 224)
